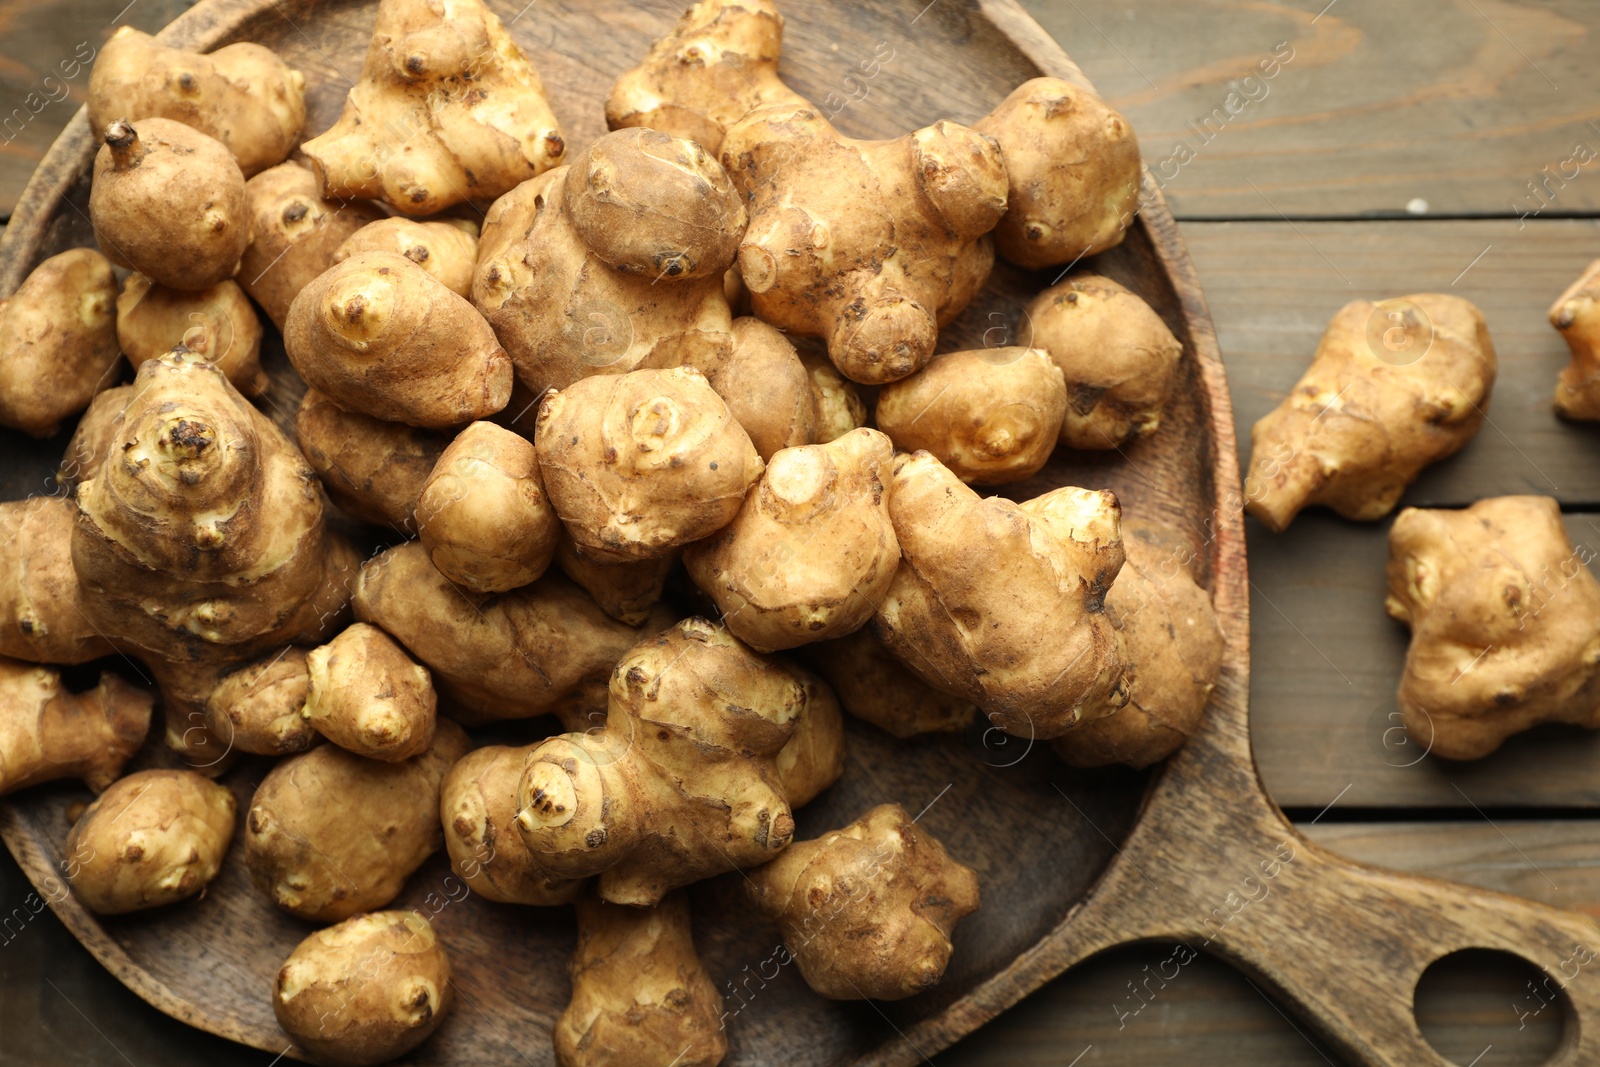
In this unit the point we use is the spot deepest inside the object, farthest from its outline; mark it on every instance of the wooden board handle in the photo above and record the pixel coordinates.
(1346, 944)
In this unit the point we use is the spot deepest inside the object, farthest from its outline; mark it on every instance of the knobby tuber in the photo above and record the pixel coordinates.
(260, 708)
(48, 732)
(811, 553)
(448, 110)
(867, 910)
(372, 469)
(330, 834)
(42, 601)
(365, 991)
(367, 696)
(58, 341)
(874, 686)
(153, 838)
(446, 248)
(1119, 359)
(217, 323)
(991, 415)
(627, 590)
(1505, 623)
(478, 807)
(1018, 628)
(1393, 387)
(1576, 315)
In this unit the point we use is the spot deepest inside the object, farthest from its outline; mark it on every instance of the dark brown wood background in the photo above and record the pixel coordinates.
(1395, 151)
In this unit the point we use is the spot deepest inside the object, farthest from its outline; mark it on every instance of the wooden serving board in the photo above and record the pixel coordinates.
(1071, 862)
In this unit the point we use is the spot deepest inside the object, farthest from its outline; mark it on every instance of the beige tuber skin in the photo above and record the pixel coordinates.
(1072, 162)
(511, 656)
(867, 910)
(366, 991)
(990, 415)
(719, 63)
(48, 733)
(58, 341)
(1174, 648)
(766, 387)
(642, 463)
(261, 708)
(294, 234)
(680, 783)
(153, 838)
(1003, 604)
(372, 469)
(811, 553)
(379, 335)
(839, 407)
(91, 441)
(813, 758)
(446, 249)
(169, 202)
(1576, 315)
(217, 323)
(448, 110)
(874, 686)
(242, 95)
(1505, 624)
(877, 272)
(331, 834)
(612, 264)
(1393, 387)
(483, 514)
(368, 697)
(626, 591)
(478, 806)
(1119, 358)
(200, 541)
(640, 996)
(41, 603)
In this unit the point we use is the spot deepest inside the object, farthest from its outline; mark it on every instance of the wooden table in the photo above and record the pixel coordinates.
(1402, 146)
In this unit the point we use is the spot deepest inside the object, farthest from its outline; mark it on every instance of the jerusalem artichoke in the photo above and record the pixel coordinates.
(58, 341)
(47, 732)
(217, 323)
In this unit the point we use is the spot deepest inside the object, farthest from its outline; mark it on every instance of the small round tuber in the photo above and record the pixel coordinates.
(217, 323)
(367, 696)
(261, 708)
(153, 838)
(58, 341)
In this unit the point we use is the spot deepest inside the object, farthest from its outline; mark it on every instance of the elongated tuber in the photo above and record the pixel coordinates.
(811, 553)
(379, 335)
(874, 686)
(200, 541)
(638, 464)
(242, 94)
(991, 415)
(448, 109)
(153, 838)
(372, 469)
(483, 514)
(294, 233)
(41, 601)
(1505, 624)
(367, 696)
(613, 263)
(478, 806)
(330, 834)
(680, 783)
(1119, 359)
(511, 656)
(867, 910)
(1394, 387)
(1576, 315)
(719, 63)
(1174, 651)
(1073, 167)
(446, 249)
(58, 341)
(870, 244)
(48, 733)
(165, 187)
(627, 590)
(640, 996)
(260, 708)
(365, 991)
(1018, 628)
(217, 323)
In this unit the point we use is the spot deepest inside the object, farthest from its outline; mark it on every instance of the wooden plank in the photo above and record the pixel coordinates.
(1359, 120)
(1272, 289)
